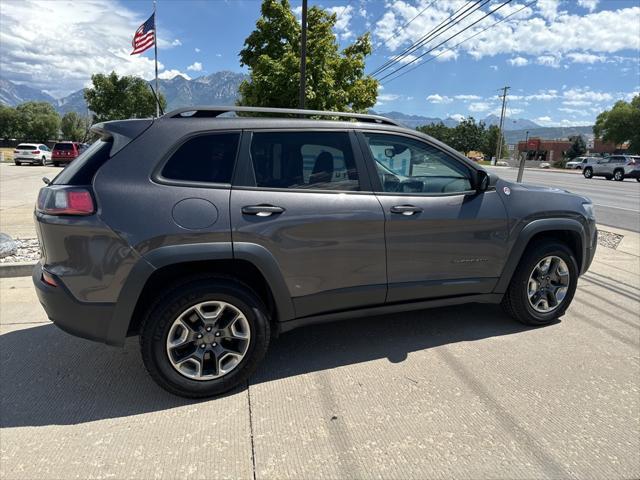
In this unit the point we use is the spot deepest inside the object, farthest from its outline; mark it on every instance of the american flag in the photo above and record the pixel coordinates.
(145, 36)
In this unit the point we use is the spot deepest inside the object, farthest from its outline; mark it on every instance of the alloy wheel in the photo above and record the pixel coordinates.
(548, 284)
(208, 340)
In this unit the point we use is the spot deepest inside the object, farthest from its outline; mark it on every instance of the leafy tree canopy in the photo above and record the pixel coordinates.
(37, 121)
(8, 122)
(621, 124)
(489, 145)
(578, 147)
(119, 98)
(335, 79)
(75, 127)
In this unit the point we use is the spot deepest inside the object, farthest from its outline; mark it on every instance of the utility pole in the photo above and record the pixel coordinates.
(524, 158)
(500, 136)
(303, 56)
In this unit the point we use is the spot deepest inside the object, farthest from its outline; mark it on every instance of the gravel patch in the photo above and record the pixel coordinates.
(609, 239)
(28, 251)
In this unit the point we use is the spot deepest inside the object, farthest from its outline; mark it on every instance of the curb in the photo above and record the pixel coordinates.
(22, 269)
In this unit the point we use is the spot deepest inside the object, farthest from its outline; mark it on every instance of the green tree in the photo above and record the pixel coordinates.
(621, 124)
(439, 131)
(468, 135)
(490, 141)
(9, 127)
(578, 147)
(119, 98)
(38, 121)
(335, 79)
(74, 127)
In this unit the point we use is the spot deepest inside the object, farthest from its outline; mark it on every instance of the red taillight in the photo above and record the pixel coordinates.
(48, 279)
(65, 201)
(35, 151)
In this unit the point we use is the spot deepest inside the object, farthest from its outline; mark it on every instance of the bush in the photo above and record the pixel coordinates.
(560, 163)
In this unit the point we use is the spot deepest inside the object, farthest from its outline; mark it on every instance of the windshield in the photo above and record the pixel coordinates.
(63, 146)
(26, 147)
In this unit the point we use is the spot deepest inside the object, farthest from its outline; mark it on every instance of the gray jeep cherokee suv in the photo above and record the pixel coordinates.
(207, 235)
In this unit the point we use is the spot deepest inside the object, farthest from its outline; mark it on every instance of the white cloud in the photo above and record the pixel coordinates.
(577, 57)
(588, 4)
(176, 43)
(436, 98)
(444, 55)
(197, 50)
(545, 119)
(545, 30)
(388, 97)
(518, 61)
(494, 67)
(344, 13)
(458, 117)
(465, 98)
(97, 39)
(195, 67)
(169, 74)
(479, 107)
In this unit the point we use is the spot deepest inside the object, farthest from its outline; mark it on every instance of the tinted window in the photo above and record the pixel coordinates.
(26, 147)
(411, 166)
(304, 160)
(205, 158)
(63, 146)
(83, 168)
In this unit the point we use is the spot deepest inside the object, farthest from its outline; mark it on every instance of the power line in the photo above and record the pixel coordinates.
(445, 41)
(448, 23)
(398, 30)
(461, 42)
(343, 10)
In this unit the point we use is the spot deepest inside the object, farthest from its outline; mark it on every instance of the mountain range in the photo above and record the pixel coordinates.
(221, 88)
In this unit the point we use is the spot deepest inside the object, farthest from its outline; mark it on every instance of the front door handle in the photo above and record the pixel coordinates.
(261, 210)
(406, 209)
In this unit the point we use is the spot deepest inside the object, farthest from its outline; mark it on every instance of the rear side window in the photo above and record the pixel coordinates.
(206, 158)
(304, 160)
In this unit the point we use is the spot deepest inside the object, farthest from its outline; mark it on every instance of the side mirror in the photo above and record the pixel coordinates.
(483, 181)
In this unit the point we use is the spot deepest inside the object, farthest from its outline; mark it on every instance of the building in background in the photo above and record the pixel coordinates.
(553, 150)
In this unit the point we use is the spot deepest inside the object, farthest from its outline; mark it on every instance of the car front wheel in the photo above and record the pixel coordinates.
(204, 337)
(587, 172)
(618, 175)
(543, 285)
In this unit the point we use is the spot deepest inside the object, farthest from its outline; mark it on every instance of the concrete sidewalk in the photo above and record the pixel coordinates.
(460, 392)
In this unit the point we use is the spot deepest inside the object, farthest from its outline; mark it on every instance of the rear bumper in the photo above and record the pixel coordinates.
(27, 159)
(86, 320)
(63, 159)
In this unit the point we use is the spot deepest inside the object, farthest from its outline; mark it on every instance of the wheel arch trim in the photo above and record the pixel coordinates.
(176, 254)
(528, 232)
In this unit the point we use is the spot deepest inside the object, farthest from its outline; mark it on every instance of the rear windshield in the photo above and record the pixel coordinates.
(63, 146)
(83, 168)
(24, 146)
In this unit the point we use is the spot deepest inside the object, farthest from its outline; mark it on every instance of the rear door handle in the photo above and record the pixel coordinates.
(406, 209)
(262, 210)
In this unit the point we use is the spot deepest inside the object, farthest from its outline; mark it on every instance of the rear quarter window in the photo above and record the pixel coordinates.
(82, 170)
(207, 158)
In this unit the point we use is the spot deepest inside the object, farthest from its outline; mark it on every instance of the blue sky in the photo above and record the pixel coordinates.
(565, 60)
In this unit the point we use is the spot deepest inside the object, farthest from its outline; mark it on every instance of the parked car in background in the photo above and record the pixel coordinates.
(617, 167)
(579, 163)
(208, 237)
(66, 152)
(33, 153)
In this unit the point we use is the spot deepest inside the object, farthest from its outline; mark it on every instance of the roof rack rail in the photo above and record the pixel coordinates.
(215, 111)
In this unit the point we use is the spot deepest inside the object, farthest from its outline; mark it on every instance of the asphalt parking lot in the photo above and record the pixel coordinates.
(460, 392)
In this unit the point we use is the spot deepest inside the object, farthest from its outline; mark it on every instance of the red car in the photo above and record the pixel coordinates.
(66, 152)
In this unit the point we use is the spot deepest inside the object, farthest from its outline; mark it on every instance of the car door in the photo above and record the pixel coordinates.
(304, 198)
(443, 238)
(603, 166)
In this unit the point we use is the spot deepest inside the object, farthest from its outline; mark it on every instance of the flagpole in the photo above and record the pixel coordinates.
(155, 49)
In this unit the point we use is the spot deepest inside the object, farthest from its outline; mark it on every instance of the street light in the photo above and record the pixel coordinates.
(522, 160)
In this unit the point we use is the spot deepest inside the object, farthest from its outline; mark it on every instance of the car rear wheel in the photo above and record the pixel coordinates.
(587, 172)
(43, 161)
(56, 164)
(618, 175)
(543, 285)
(17, 163)
(204, 337)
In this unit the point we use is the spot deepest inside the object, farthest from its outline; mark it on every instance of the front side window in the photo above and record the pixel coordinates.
(304, 160)
(406, 165)
(206, 158)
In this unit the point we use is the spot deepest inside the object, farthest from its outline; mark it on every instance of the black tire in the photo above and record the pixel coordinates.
(638, 179)
(43, 162)
(618, 175)
(160, 316)
(56, 164)
(17, 163)
(587, 172)
(516, 301)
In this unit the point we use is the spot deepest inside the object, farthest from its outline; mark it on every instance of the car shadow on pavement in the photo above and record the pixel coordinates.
(50, 378)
